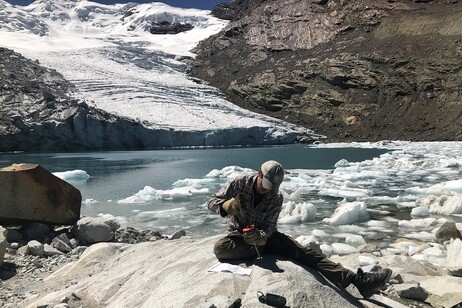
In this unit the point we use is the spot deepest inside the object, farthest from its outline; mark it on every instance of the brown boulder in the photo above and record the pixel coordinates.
(28, 192)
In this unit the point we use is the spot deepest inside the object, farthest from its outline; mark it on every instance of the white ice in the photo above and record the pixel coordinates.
(347, 213)
(117, 65)
(73, 176)
(312, 217)
(148, 194)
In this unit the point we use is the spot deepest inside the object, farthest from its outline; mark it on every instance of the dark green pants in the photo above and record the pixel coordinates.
(233, 247)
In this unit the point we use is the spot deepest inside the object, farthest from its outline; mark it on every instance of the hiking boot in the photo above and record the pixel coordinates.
(370, 283)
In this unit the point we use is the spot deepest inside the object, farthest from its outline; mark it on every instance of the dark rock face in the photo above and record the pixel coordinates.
(166, 27)
(236, 9)
(351, 70)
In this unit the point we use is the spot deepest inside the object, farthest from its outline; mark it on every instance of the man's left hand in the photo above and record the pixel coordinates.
(254, 237)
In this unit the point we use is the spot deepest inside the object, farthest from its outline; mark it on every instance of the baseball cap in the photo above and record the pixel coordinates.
(273, 174)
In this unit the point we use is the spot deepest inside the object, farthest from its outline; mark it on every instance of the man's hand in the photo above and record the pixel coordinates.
(254, 237)
(232, 207)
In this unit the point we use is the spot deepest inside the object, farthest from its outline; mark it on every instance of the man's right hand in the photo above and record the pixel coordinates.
(232, 207)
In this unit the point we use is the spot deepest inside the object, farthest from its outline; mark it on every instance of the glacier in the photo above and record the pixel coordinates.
(118, 66)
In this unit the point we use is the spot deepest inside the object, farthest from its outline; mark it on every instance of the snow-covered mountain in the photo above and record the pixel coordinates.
(118, 65)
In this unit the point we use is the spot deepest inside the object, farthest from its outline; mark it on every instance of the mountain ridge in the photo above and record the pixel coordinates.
(351, 70)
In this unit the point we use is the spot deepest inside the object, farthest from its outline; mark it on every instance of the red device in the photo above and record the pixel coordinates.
(248, 229)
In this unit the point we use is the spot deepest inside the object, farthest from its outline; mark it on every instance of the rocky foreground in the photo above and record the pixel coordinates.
(95, 263)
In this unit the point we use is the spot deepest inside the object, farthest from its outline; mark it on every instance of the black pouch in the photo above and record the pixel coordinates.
(272, 300)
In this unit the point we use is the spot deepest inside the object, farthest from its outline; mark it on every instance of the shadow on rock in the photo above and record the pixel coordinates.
(7, 270)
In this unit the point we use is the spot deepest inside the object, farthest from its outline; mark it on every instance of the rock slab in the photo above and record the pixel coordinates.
(28, 192)
(175, 274)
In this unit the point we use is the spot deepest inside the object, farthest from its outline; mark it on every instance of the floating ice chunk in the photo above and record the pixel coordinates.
(297, 212)
(416, 191)
(120, 219)
(196, 183)
(326, 249)
(380, 200)
(454, 186)
(442, 205)
(343, 249)
(228, 172)
(402, 205)
(351, 229)
(319, 233)
(377, 223)
(418, 223)
(297, 194)
(422, 236)
(342, 163)
(348, 213)
(143, 196)
(354, 240)
(180, 193)
(347, 190)
(148, 194)
(89, 201)
(347, 169)
(420, 211)
(150, 215)
(73, 176)
(305, 240)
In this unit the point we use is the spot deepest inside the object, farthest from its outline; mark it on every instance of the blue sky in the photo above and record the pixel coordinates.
(199, 4)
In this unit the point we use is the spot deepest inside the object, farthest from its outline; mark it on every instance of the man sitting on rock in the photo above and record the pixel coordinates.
(253, 203)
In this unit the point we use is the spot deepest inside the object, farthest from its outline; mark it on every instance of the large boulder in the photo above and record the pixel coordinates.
(90, 230)
(447, 232)
(28, 192)
(175, 274)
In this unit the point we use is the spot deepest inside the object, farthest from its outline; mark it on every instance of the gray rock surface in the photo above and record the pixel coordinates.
(143, 263)
(35, 248)
(174, 274)
(90, 230)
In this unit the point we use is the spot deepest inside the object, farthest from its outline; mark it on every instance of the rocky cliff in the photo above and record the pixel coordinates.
(351, 70)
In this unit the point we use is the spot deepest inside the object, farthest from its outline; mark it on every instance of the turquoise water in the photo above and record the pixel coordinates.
(341, 193)
(118, 174)
(115, 175)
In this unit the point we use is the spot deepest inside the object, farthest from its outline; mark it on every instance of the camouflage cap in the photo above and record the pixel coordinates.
(273, 174)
